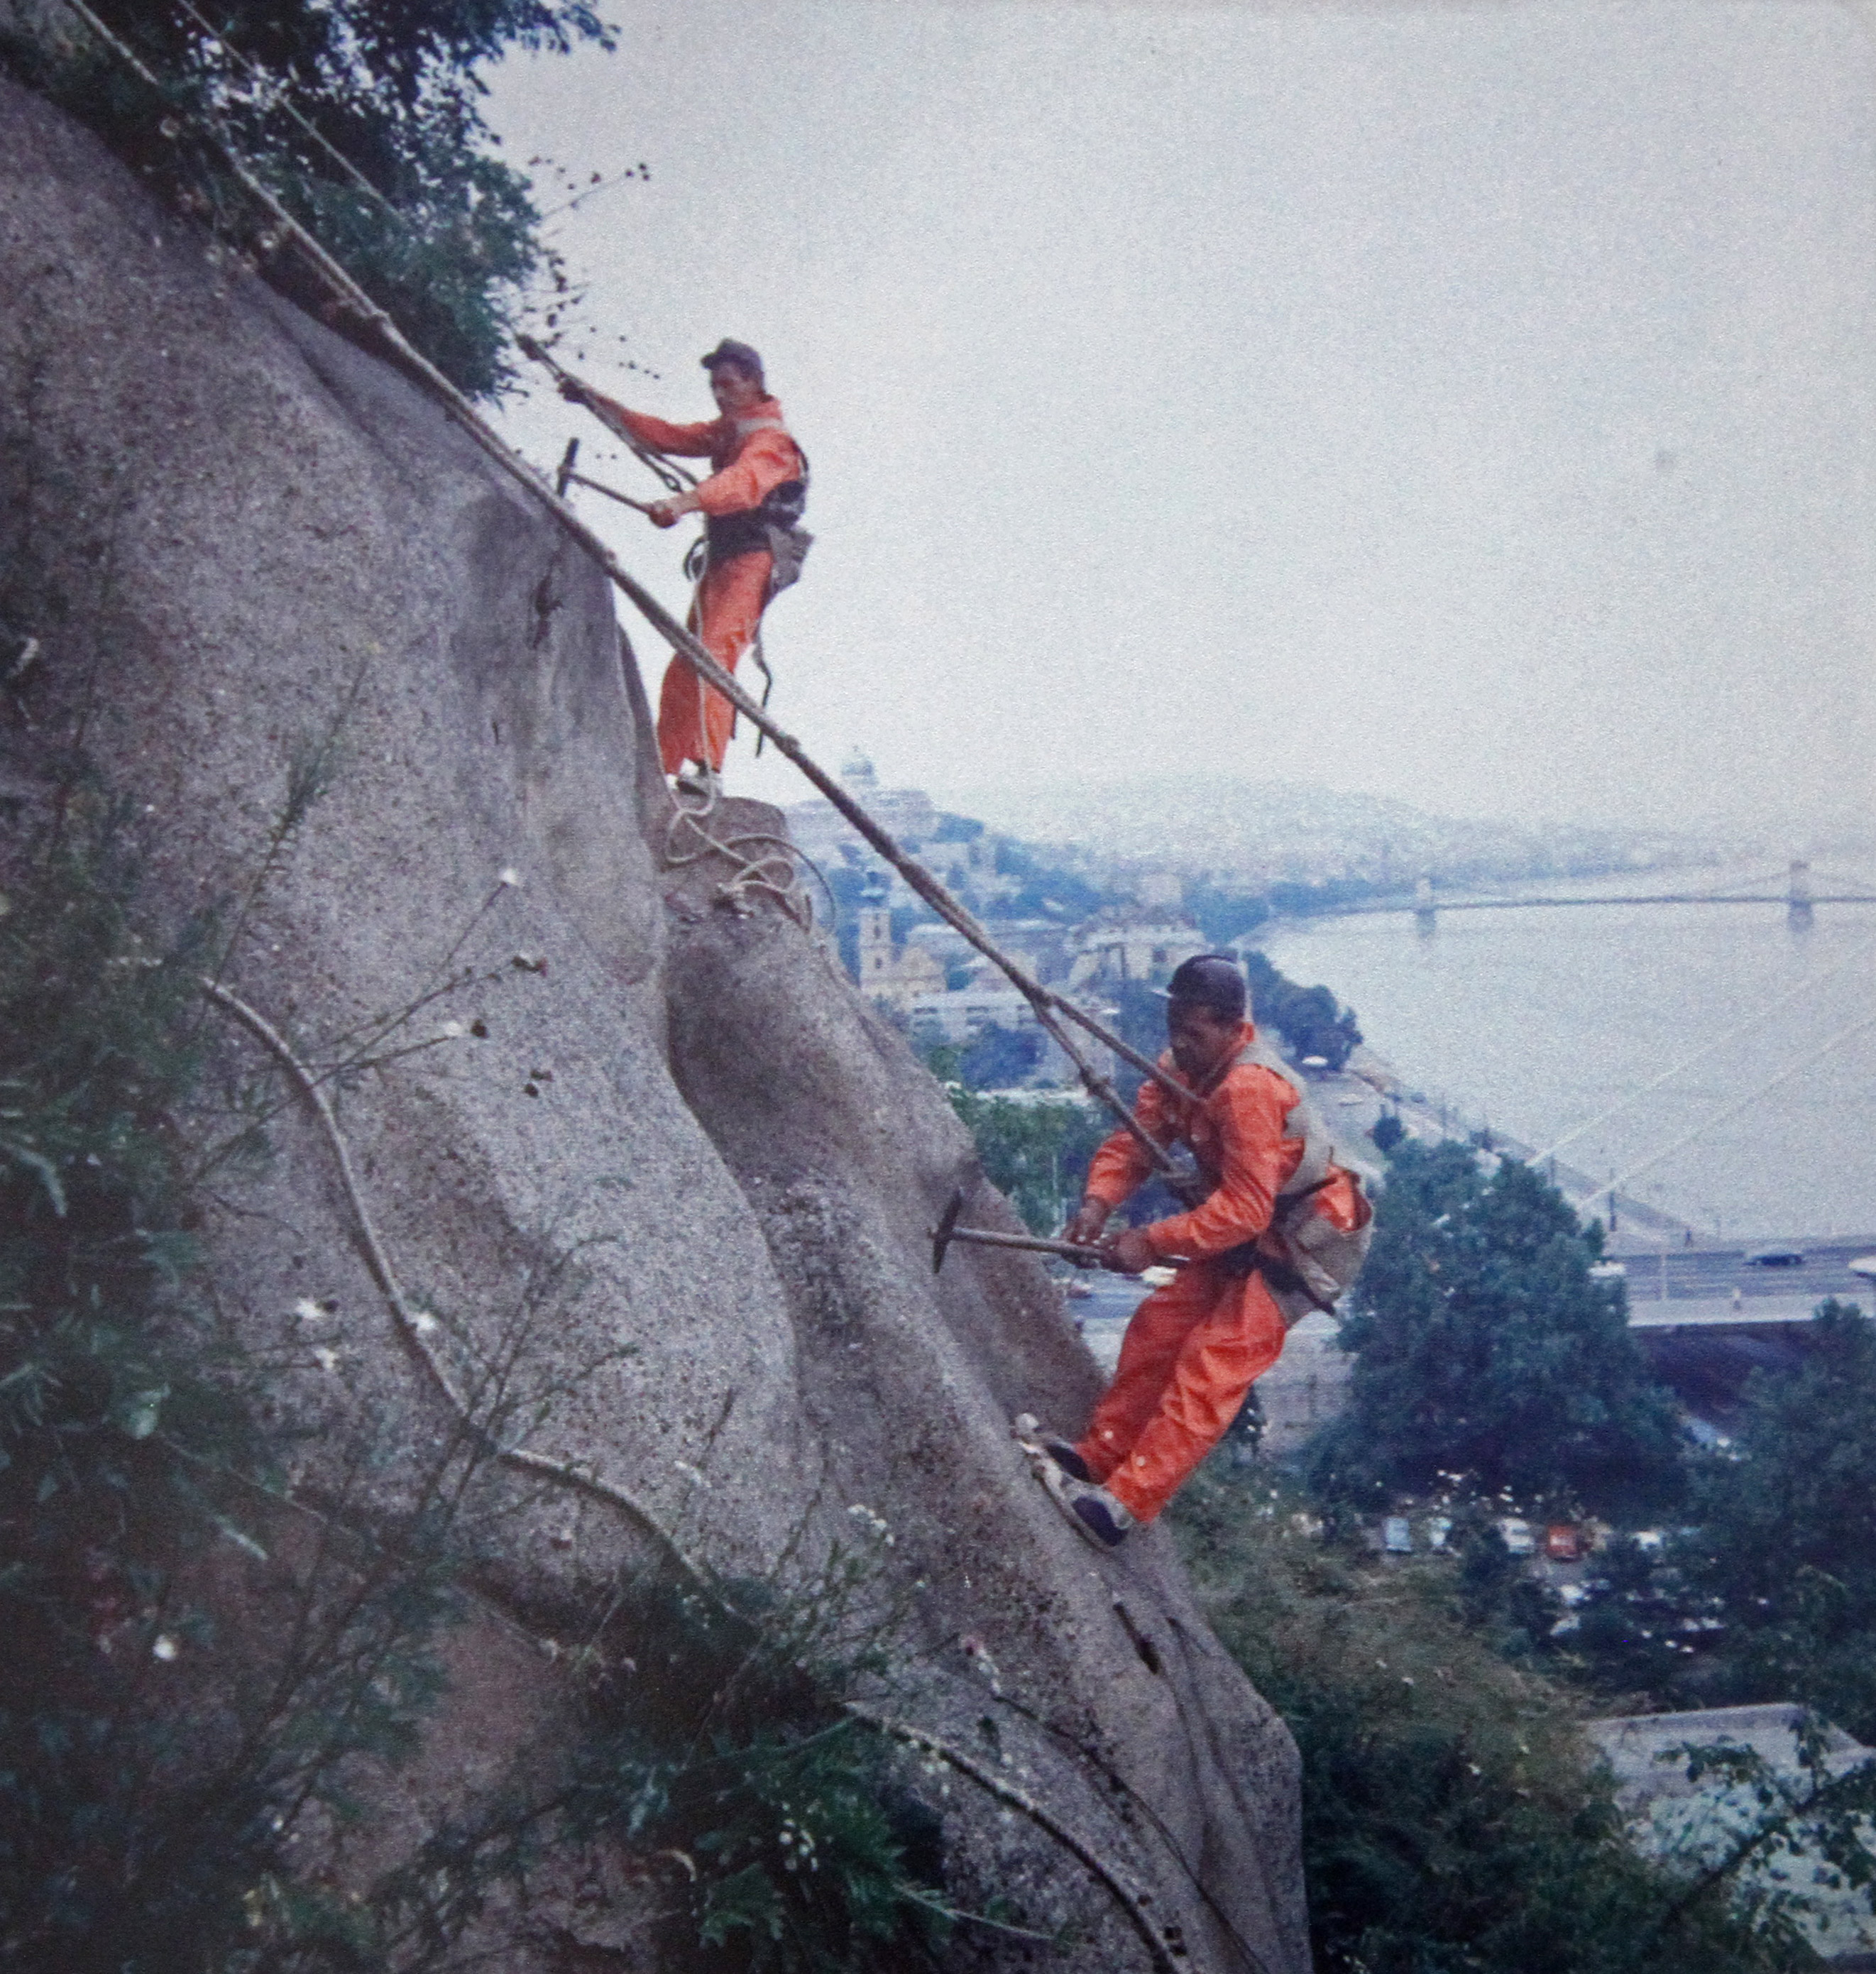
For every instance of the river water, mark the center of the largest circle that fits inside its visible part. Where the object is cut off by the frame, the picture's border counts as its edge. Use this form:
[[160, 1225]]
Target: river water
[[1539, 1021]]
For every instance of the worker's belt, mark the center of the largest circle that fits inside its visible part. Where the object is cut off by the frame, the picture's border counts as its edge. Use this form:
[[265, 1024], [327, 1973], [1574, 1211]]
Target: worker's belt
[[736, 534], [1239, 1263], [782, 509]]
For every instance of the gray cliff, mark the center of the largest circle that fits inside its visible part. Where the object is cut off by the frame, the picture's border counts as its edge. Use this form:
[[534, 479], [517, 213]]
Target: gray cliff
[[247, 537]]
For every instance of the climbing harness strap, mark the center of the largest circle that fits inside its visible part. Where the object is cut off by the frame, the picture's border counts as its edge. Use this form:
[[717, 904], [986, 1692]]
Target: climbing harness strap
[[1318, 1261]]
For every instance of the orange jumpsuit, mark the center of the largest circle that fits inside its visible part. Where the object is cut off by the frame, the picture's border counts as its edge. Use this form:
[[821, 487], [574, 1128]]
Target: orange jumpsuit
[[750, 455], [1195, 1347]]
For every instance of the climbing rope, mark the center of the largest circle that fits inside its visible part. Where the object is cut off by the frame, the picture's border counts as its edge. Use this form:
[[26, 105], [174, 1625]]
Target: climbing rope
[[775, 871]]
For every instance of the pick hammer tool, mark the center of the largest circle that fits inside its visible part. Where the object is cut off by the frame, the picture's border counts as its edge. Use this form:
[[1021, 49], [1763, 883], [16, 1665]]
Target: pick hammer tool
[[948, 1231]]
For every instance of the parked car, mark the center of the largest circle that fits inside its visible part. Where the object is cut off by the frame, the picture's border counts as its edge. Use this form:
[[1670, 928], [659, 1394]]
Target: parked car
[[1608, 1271], [1776, 1256], [1865, 1266], [1517, 1535]]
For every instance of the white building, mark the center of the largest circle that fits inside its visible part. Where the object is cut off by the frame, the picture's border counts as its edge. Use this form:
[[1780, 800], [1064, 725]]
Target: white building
[[818, 828], [1132, 943]]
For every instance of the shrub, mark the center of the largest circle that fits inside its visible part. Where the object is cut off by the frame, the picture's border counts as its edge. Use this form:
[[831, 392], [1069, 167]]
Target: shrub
[[363, 118], [1451, 1819]]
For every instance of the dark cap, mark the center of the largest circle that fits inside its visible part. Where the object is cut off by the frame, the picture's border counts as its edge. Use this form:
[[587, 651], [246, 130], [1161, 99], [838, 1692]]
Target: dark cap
[[729, 351], [1213, 981]]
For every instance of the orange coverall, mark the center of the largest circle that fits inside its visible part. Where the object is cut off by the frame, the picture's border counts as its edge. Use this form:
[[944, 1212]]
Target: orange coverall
[[1194, 1348], [750, 455]]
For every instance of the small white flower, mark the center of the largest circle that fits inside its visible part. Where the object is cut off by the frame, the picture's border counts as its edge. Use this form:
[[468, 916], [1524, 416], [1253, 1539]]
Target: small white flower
[[694, 1475], [450, 1030], [510, 878], [326, 1358], [308, 1310], [164, 1647], [422, 1322]]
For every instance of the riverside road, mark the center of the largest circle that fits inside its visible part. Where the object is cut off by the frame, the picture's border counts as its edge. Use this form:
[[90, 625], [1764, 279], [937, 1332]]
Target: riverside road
[[1706, 1273]]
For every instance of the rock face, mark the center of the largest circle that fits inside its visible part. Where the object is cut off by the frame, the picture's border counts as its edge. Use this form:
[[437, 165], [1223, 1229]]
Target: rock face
[[350, 676]]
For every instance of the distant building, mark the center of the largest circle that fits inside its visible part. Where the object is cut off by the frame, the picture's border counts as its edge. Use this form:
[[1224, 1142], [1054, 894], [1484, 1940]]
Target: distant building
[[891, 976], [818, 828], [1125, 942], [959, 1017], [962, 1016]]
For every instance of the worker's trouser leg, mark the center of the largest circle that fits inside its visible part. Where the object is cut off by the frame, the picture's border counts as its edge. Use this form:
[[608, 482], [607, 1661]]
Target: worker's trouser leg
[[694, 724], [1190, 1354]]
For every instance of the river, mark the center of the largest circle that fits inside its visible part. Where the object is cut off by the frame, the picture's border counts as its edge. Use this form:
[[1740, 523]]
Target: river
[[1539, 1021]]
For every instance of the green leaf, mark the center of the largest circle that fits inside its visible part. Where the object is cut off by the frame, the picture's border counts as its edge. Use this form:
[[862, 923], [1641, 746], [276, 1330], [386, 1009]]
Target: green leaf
[[746, 1903]]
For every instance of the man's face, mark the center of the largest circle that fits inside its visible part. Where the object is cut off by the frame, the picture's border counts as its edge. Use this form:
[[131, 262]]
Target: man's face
[[734, 389], [1200, 1040]]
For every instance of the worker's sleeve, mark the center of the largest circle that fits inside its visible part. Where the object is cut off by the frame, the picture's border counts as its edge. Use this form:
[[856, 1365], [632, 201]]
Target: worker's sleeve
[[1121, 1163], [685, 441], [1249, 1110], [763, 464]]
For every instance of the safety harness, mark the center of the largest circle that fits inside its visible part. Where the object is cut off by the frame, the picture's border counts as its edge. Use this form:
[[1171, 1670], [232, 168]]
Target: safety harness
[[1306, 1260], [774, 524]]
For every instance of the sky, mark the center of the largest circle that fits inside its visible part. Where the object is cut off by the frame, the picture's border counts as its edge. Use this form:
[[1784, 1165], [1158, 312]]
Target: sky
[[1472, 406]]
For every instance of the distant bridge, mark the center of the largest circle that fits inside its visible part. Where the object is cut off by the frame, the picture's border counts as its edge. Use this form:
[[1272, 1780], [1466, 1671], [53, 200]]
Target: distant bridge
[[1797, 898]]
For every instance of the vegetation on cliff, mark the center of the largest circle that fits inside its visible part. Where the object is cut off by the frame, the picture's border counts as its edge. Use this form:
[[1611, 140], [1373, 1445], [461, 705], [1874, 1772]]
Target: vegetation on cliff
[[362, 118], [1452, 1822]]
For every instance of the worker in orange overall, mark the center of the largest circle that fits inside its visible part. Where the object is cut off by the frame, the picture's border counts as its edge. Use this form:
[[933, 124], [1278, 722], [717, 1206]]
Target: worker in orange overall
[[1280, 1230], [755, 493]]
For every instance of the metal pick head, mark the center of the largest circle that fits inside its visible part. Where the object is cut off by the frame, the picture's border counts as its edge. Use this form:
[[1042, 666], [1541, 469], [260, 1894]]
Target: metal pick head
[[947, 1225]]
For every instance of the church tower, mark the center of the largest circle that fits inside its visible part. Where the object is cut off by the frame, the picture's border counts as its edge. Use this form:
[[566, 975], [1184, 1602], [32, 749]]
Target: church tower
[[876, 941]]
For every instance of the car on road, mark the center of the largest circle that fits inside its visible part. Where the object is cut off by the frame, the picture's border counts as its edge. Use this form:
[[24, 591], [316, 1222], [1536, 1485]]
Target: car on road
[[1863, 1265], [1607, 1271], [1776, 1256]]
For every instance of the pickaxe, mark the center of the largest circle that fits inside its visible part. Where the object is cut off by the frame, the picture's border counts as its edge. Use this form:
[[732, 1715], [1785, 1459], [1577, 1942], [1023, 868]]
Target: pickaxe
[[948, 1231], [567, 477], [673, 477]]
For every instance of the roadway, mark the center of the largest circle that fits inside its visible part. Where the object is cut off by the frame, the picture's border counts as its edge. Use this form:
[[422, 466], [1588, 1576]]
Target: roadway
[[1707, 1272]]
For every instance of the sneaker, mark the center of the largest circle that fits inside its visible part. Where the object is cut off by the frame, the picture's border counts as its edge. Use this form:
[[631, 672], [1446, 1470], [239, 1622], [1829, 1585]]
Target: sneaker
[[1099, 1517], [1066, 1457], [1092, 1512], [1027, 1430]]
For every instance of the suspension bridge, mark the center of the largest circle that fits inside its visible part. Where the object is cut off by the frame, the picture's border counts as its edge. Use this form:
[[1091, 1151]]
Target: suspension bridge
[[1799, 895]]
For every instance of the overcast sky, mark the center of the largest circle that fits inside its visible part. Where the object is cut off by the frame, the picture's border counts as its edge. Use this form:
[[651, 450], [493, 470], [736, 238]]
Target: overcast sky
[[1469, 405]]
